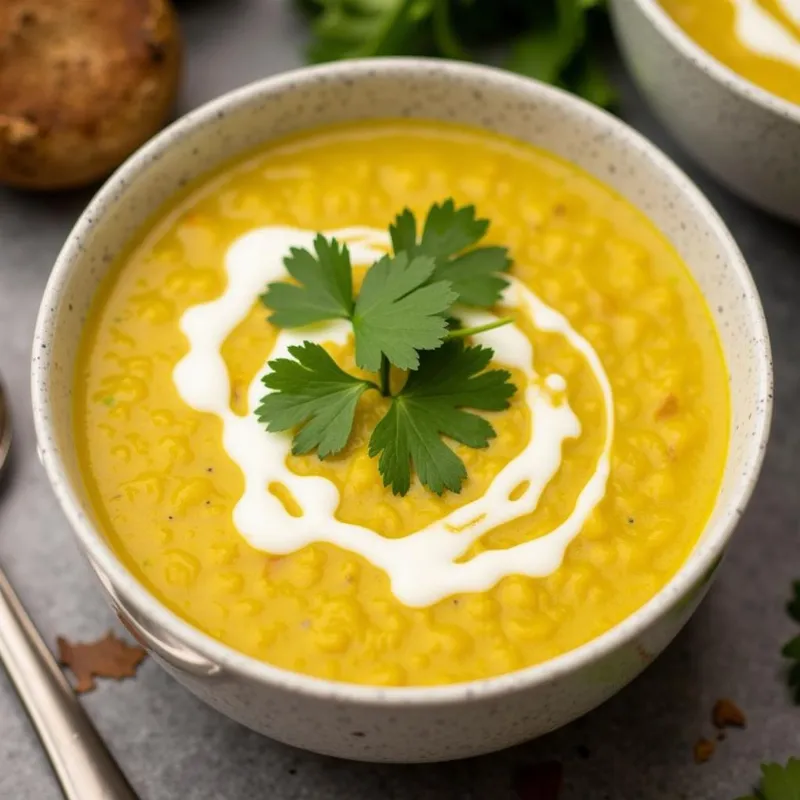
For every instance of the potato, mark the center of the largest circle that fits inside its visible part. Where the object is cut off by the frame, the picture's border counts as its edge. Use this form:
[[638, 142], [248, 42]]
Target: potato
[[83, 83]]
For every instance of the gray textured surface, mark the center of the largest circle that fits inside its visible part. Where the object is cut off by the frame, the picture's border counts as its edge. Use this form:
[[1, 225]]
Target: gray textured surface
[[639, 744]]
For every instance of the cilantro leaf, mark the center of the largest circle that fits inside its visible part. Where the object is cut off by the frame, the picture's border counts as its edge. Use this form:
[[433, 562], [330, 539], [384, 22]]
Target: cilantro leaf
[[448, 230], [430, 406], [398, 312], [779, 783], [311, 391], [325, 291]]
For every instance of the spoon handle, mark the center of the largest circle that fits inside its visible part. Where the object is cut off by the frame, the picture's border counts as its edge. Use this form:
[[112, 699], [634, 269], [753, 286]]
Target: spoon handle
[[79, 757]]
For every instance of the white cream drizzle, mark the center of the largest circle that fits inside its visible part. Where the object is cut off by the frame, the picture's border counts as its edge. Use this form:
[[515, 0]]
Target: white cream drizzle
[[765, 34], [792, 10], [421, 566]]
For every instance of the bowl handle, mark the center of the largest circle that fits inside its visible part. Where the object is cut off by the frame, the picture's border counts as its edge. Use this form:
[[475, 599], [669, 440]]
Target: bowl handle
[[163, 646]]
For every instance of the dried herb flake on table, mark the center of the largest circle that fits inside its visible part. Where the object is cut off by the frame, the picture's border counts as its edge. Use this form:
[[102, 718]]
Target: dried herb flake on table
[[109, 657]]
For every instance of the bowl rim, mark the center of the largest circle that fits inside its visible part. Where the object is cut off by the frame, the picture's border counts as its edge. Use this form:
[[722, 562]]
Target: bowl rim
[[692, 572], [712, 66]]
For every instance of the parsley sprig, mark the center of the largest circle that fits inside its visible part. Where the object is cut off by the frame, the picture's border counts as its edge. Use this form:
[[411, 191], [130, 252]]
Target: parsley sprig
[[402, 317], [325, 289], [398, 313], [778, 783]]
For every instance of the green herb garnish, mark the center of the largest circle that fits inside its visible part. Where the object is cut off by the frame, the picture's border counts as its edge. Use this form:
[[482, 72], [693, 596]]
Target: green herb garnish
[[325, 289], [473, 275], [778, 783], [429, 406], [397, 314], [402, 318], [555, 41], [311, 390]]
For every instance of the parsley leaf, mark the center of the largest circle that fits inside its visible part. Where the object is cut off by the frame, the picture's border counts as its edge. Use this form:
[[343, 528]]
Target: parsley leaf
[[474, 275], [403, 232], [791, 649], [429, 407], [448, 230], [779, 783], [326, 286], [398, 312], [313, 392]]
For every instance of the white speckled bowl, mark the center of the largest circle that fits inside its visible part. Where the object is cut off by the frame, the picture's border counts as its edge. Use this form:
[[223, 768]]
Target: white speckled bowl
[[403, 724], [748, 138]]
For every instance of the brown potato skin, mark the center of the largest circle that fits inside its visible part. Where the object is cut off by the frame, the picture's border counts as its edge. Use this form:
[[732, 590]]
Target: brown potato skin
[[83, 83]]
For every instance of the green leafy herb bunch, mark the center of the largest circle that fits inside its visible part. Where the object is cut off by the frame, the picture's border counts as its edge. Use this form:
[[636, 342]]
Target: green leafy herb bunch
[[555, 41]]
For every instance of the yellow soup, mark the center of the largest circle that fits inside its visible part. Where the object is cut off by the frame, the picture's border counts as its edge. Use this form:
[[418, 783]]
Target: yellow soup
[[759, 39], [164, 486]]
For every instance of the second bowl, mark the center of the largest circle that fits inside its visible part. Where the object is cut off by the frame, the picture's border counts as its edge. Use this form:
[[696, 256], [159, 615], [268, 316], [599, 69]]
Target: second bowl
[[748, 138]]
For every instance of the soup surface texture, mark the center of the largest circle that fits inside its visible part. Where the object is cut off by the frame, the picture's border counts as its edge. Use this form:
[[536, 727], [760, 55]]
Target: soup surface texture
[[759, 39], [654, 407]]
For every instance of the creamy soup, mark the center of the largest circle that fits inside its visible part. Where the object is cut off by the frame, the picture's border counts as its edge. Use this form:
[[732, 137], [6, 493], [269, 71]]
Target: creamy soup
[[597, 485], [759, 39]]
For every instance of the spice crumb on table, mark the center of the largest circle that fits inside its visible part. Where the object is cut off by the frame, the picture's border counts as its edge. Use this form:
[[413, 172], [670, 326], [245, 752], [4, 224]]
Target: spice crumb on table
[[109, 657]]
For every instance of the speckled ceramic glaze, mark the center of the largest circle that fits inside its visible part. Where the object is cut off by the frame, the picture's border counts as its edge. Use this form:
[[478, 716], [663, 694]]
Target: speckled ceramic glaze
[[404, 724], [746, 137]]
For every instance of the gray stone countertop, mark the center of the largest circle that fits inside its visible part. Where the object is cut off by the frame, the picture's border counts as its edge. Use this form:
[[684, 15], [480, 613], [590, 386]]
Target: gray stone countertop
[[638, 746]]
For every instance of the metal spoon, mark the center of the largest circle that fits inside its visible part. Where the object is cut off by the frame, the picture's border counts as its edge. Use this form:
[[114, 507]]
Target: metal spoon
[[82, 763]]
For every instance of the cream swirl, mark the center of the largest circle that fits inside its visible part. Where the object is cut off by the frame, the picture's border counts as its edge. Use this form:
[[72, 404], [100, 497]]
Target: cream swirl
[[422, 566], [765, 34]]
